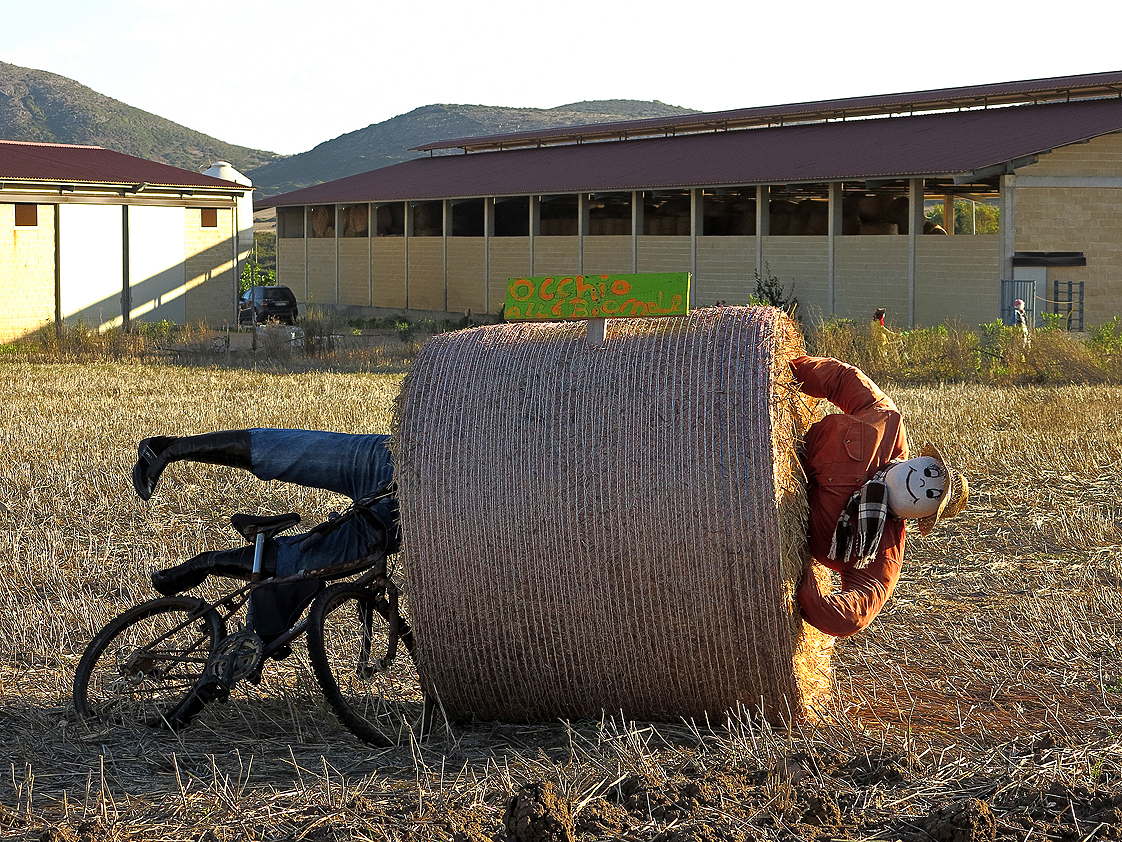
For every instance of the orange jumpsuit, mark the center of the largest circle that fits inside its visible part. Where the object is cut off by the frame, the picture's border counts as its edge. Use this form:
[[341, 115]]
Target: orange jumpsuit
[[842, 453]]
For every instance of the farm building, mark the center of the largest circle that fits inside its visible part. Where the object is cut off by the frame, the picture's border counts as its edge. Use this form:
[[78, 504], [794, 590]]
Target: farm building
[[828, 195], [94, 235]]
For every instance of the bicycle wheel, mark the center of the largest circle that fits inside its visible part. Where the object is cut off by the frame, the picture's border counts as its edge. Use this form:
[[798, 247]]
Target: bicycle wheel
[[348, 640], [144, 664]]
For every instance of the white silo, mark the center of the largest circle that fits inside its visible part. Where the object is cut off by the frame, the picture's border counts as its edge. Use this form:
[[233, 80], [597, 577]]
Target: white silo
[[223, 170]]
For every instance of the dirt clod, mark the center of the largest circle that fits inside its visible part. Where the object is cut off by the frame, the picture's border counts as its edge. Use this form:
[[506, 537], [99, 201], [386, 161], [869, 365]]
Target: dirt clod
[[538, 813], [601, 817], [822, 811], [969, 820]]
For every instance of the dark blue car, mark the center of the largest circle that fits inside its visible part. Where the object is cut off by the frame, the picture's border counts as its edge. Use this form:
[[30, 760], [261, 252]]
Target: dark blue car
[[276, 303]]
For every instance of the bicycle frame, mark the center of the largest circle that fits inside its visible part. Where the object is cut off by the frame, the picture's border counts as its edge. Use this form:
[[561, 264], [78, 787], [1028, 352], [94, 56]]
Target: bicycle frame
[[198, 652]]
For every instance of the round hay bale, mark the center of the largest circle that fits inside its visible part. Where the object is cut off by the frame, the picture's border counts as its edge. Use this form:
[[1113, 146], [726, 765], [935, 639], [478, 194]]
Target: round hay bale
[[607, 528]]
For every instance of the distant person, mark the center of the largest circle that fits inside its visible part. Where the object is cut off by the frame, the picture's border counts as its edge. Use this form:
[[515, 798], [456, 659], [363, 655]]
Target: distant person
[[1020, 319], [883, 337], [862, 487]]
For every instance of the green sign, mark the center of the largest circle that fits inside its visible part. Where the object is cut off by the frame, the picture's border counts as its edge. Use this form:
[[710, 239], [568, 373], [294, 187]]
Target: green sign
[[556, 297]]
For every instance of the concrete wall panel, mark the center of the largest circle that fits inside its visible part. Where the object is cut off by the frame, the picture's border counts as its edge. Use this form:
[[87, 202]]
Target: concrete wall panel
[[726, 268], [426, 273], [467, 275], [27, 273]]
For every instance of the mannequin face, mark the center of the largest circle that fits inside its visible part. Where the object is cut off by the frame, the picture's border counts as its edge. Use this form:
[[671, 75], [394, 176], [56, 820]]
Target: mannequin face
[[915, 487]]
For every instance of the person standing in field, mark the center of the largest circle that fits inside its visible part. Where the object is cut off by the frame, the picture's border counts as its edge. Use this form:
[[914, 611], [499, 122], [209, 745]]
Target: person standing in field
[[1020, 320], [862, 487], [883, 338]]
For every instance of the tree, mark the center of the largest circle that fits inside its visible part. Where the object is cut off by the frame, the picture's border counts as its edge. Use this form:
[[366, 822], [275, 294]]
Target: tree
[[969, 217]]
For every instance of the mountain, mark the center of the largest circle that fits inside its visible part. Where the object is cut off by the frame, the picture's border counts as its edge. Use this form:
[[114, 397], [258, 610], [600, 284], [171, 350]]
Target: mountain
[[389, 142], [47, 108]]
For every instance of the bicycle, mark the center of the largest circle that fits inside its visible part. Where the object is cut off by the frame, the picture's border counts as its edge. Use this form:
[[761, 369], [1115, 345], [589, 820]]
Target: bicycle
[[159, 663]]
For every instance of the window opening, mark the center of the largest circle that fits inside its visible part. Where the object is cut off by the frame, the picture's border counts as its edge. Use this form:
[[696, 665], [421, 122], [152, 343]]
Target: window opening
[[27, 215], [512, 217]]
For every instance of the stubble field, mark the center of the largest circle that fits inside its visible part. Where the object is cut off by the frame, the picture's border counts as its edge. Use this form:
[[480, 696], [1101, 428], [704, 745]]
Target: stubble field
[[983, 702]]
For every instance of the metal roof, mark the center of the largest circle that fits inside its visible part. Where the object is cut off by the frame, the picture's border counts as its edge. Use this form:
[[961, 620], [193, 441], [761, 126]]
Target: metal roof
[[963, 145], [1054, 89], [91, 165]]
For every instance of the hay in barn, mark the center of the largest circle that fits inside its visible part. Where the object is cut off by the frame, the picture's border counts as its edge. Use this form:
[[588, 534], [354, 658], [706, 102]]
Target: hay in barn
[[609, 528]]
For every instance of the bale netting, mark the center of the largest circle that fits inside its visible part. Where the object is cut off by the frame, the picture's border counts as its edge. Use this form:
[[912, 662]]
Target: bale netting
[[613, 528]]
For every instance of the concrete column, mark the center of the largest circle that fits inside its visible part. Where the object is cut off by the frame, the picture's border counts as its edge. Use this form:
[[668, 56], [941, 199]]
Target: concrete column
[[915, 229], [834, 229], [535, 226], [583, 228], [763, 214], [409, 214], [488, 233], [126, 291], [1007, 226], [697, 228], [446, 232], [636, 227], [307, 235]]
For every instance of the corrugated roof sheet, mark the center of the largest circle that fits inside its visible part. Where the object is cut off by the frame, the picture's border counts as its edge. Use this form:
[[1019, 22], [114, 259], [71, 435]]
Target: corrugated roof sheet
[[56, 162], [892, 147], [975, 96]]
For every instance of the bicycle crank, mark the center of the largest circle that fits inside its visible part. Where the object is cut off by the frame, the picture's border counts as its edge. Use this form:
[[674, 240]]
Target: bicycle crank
[[237, 656]]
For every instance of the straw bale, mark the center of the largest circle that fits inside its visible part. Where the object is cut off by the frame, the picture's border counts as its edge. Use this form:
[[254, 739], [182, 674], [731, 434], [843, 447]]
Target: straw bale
[[606, 528], [322, 225]]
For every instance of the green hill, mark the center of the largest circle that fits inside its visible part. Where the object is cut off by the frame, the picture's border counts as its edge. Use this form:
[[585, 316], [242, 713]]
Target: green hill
[[389, 142], [46, 108]]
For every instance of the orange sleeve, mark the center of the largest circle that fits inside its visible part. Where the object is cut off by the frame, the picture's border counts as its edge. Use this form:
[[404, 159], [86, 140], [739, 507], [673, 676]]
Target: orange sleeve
[[863, 592], [846, 387]]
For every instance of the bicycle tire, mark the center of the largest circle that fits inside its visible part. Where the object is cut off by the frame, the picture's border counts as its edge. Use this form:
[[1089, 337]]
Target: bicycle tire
[[144, 665], [348, 631]]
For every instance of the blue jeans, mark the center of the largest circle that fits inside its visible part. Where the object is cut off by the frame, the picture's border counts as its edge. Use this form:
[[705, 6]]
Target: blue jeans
[[351, 465]]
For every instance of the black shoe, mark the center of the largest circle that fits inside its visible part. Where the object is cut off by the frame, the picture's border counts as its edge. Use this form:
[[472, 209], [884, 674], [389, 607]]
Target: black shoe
[[183, 577], [150, 463], [237, 564]]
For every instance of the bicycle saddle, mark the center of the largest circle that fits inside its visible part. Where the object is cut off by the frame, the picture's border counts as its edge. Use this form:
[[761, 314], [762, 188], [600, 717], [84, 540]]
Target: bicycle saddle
[[250, 526]]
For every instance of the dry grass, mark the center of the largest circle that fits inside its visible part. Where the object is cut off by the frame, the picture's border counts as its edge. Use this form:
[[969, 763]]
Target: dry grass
[[994, 673]]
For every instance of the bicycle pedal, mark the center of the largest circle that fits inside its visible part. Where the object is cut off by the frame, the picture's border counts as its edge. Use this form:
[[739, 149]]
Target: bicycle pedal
[[213, 691]]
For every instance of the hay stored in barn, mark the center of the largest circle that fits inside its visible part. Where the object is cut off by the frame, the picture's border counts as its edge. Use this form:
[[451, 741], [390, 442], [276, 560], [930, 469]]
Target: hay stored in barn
[[606, 528]]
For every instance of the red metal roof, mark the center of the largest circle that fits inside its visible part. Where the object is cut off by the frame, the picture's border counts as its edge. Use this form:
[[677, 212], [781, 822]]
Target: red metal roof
[[1061, 88], [941, 144], [56, 162]]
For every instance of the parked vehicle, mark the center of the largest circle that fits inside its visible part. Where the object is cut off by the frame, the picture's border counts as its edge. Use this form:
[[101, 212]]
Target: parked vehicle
[[260, 304]]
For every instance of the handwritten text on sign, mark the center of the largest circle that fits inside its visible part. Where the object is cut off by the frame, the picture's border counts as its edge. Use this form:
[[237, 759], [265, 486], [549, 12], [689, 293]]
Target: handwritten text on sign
[[598, 296]]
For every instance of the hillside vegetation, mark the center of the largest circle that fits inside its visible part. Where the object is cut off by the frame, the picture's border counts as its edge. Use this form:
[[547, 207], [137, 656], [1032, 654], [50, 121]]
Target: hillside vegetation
[[389, 142], [43, 107]]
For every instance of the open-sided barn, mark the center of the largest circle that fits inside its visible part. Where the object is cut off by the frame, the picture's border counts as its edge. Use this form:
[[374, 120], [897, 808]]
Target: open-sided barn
[[827, 195], [94, 235]]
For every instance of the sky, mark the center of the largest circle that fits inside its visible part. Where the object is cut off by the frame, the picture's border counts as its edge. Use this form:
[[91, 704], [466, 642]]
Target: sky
[[284, 76]]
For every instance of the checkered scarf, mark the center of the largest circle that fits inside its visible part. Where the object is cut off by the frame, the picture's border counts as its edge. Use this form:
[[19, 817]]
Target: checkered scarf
[[862, 521]]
